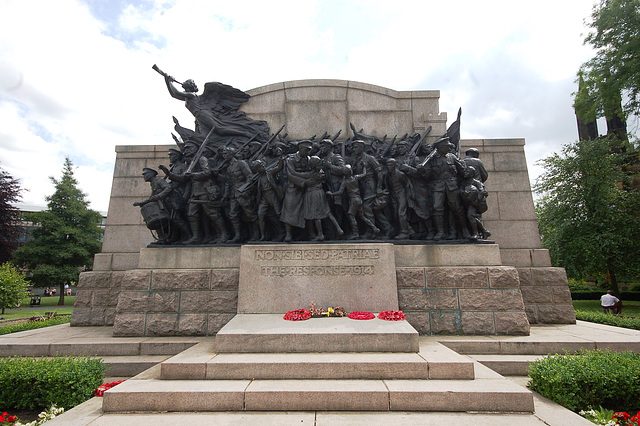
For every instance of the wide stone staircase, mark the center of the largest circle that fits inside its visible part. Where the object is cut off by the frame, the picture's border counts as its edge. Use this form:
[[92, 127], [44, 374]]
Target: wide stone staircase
[[260, 362]]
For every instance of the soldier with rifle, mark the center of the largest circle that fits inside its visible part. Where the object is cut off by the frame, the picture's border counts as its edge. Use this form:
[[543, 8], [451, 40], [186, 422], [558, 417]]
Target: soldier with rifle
[[205, 194], [241, 199], [180, 191]]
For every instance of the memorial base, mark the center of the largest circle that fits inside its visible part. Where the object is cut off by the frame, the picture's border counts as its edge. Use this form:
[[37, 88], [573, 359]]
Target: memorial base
[[443, 289]]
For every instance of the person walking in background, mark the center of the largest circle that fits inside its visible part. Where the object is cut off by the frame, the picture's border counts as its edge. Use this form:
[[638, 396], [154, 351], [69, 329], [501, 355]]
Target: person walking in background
[[610, 303]]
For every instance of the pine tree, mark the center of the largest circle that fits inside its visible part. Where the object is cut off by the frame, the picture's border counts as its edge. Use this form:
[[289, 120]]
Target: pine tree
[[66, 239], [9, 215]]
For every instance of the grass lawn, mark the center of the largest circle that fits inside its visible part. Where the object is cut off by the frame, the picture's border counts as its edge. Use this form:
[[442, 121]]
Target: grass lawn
[[629, 308], [47, 304]]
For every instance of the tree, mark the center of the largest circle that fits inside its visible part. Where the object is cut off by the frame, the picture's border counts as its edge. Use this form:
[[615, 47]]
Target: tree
[[67, 236], [10, 229], [610, 85], [588, 216], [13, 287]]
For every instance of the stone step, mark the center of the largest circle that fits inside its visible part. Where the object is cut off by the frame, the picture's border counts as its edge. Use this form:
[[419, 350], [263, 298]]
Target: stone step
[[268, 333], [520, 346], [495, 395], [434, 361], [507, 365], [129, 366]]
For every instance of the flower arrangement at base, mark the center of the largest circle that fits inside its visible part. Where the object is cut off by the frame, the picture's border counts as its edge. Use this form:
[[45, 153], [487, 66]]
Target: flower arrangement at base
[[392, 315], [361, 315], [105, 387], [298, 315], [329, 312]]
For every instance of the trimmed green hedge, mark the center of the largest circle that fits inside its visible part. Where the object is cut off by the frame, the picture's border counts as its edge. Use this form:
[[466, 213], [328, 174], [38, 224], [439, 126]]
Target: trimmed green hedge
[[595, 295], [32, 325], [589, 379], [29, 383], [608, 319]]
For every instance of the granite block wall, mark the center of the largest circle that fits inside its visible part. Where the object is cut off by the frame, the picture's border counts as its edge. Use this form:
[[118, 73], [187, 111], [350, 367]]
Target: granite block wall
[[463, 300]]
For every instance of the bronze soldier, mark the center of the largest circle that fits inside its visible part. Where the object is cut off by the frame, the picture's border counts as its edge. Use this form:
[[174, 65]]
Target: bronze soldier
[[443, 169], [205, 197]]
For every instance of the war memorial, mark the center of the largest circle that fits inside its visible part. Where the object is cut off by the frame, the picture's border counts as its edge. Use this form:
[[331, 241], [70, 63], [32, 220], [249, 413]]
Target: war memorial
[[329, 194]]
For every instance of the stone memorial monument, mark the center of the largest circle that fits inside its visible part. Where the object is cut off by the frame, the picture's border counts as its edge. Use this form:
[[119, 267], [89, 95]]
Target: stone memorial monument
[[328, 209]]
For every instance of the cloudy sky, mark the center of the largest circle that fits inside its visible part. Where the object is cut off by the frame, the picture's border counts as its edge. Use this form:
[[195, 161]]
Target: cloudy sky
[[76, 77]]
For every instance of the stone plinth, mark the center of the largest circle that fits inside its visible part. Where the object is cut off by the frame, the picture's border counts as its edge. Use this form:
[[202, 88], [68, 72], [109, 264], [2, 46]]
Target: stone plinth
[[268, 333], [280, 278]]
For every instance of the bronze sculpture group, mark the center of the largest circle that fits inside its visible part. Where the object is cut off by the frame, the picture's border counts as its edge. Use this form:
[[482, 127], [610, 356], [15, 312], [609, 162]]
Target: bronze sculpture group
[[229, 181]]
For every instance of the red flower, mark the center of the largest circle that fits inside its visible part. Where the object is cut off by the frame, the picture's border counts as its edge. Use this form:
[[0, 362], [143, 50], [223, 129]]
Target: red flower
[[361, 315], [11, 419], [2, 418], [105, 387], [620, 415], [392, 315]]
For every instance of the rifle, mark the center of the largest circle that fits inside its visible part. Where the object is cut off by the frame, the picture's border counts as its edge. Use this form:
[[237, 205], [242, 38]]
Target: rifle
[[430, 156], [224, 163], [196, 157], [264, 147], [386, 150], [333, 139], [416, 146], [164, 74]]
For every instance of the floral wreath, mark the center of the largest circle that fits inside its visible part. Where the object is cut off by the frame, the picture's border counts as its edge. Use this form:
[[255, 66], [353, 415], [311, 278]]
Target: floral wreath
[[392, 315], [298, 315], [361, 315]]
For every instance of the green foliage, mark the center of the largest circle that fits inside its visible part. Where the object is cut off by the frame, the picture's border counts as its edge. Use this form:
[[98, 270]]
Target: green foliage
[[32, 325], [625, 296], [9, 215], [67, 238], [576, 284], [589, 379], [601, 416], [608, 319], [588, 218], [13, 287], [615, 69], [29, 383]]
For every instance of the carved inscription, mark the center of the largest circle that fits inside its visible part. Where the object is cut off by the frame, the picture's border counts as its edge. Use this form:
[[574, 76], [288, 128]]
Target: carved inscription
[[276, 278], [317, 254], [307, 271]]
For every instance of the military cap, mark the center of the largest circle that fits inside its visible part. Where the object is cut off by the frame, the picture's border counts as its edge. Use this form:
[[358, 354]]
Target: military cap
[[358, 142], [305, 142], [149, 170], [327, 141], [444, 139], [176, 151]]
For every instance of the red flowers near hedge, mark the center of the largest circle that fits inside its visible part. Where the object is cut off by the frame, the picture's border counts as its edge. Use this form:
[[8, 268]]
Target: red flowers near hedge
[[103, 388]]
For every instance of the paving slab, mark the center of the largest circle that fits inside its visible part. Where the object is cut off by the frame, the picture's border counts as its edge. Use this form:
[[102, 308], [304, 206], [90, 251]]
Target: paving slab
[[271, 333]]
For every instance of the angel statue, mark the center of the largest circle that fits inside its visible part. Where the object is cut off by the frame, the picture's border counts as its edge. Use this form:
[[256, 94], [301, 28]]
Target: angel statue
[[217, 107]]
